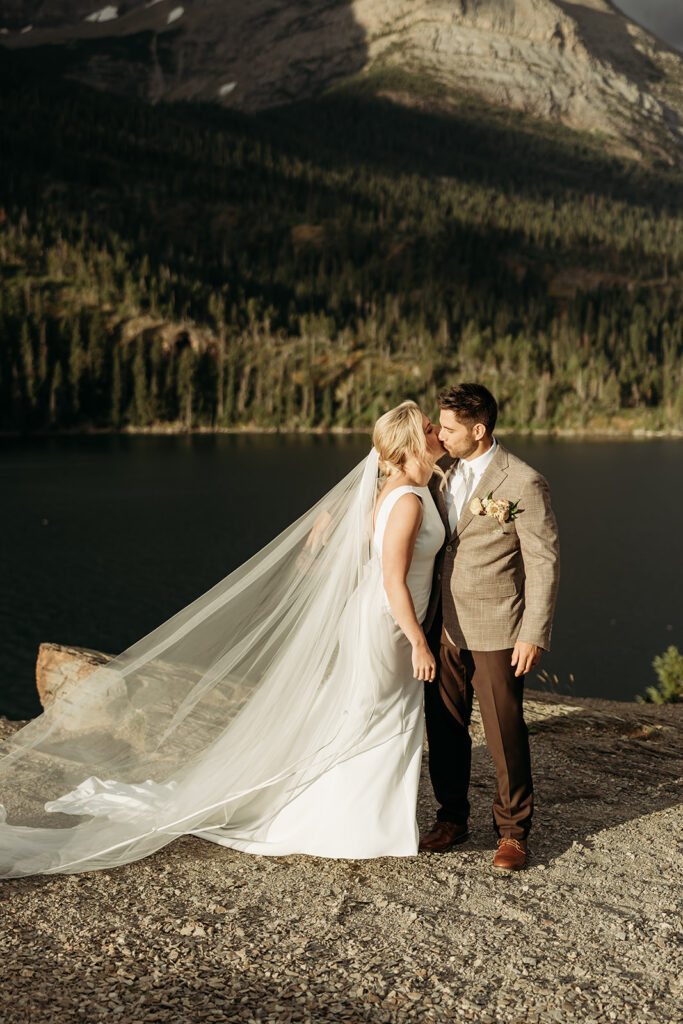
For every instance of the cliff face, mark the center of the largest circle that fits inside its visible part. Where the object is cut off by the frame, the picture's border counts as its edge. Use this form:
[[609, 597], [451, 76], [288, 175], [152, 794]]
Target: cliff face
[[584, 64]]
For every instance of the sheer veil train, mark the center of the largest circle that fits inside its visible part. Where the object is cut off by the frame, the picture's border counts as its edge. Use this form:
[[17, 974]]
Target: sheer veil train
[[218, 717]]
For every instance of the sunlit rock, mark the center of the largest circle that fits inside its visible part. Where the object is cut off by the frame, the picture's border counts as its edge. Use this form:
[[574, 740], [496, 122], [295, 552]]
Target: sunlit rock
[[60, 668]]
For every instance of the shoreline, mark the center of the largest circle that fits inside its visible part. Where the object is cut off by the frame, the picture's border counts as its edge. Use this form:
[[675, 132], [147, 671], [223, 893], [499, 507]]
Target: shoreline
[[173, 430]]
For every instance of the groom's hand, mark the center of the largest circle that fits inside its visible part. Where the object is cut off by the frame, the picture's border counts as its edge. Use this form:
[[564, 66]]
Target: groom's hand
[[525, 657]]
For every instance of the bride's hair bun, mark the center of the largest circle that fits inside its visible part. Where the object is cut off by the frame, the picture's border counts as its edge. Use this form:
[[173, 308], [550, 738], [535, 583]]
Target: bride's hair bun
[[398, 434]]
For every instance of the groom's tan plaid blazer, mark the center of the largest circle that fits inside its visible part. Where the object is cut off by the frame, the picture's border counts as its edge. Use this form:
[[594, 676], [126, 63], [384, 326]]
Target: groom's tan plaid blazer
[[498, 583]]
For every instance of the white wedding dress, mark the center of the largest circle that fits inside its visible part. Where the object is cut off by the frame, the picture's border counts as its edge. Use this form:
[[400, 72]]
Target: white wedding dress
[[364, 806], [276, 714]]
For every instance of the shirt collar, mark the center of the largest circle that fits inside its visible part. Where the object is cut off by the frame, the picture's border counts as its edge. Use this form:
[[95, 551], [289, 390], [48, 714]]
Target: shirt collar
[[478, 465]]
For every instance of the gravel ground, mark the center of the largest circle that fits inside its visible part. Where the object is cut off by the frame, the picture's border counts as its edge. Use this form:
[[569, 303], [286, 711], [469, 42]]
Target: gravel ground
[[589, 932]]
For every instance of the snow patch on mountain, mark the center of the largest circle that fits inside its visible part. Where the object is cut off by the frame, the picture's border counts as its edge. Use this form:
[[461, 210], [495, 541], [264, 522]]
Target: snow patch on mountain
[[108, 13]]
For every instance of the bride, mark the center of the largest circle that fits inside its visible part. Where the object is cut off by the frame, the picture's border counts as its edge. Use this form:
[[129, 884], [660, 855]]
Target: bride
[[279, 713]]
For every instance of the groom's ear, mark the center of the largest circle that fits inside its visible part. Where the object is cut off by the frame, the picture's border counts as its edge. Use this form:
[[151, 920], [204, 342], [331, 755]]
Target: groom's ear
[[478, 431]]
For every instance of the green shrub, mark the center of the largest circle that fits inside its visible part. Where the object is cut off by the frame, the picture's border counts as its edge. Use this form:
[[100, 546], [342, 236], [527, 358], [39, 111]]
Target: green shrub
[[669, 670]]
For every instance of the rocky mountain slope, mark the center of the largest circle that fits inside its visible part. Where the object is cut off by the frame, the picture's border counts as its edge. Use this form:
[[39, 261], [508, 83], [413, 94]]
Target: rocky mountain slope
[[584, 64]]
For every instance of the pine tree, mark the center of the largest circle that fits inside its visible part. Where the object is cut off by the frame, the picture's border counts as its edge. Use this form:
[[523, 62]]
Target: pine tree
[[97, 352], [155, 398], [27, 361], [327, 407], [217, 311], [140, 385], [76, 366], [186, 382], [56, 395], [116, 390], [229, 405], [42, 359]]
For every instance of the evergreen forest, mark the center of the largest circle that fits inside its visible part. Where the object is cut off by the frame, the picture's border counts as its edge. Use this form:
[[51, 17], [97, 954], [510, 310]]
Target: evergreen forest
[[307, 267]]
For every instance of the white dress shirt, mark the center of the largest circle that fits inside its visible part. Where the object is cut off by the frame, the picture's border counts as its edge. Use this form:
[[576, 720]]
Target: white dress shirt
[[463, 481]]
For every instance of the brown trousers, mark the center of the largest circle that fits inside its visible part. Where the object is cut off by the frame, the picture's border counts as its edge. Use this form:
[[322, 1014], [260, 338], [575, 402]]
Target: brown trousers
[[448, 708]]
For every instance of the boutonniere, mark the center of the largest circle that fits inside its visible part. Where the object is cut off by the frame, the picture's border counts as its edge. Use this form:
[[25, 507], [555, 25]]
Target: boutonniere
[[500, 509]]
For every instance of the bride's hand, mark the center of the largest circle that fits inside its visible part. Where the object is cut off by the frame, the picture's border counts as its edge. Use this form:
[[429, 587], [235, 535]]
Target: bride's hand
[[424, 662], [317, 538]]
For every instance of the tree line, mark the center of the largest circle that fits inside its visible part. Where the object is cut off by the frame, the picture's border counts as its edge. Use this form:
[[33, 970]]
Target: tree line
[[310, 266]]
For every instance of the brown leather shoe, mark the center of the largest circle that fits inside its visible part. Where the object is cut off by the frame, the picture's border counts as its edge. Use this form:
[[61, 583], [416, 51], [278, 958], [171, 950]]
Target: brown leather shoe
[[510, 855], [442, 836]]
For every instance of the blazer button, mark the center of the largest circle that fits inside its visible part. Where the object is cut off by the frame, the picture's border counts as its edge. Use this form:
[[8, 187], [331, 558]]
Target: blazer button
[[449, 547]]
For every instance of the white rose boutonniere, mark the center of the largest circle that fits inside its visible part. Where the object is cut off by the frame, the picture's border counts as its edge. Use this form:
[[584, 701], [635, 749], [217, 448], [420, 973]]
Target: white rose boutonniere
[[500, 510]]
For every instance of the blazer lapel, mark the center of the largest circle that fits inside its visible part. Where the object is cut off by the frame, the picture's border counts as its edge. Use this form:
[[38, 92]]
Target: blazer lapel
[[445, 463], [495, 473]]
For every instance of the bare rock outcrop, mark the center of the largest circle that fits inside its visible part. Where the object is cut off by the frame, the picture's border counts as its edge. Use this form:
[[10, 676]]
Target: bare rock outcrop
[[584, 64], [59, 668]]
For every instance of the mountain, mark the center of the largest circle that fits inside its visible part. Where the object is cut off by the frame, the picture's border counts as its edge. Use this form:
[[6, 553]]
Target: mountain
[[335, 207], [184, 265], [583, 64]]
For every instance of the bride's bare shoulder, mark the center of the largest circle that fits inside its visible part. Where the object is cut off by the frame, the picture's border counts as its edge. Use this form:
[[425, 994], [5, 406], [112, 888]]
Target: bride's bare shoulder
[[407, 506]]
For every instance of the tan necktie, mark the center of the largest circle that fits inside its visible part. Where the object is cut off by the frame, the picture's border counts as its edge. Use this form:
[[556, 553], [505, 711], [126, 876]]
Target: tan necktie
[[469, 481], [460, 492]]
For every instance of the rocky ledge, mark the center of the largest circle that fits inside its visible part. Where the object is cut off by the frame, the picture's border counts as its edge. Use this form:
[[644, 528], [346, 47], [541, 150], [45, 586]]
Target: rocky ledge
[[201, 933]]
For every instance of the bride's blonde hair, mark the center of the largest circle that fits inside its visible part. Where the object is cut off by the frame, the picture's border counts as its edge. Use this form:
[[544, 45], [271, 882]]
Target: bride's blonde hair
[[397, 435]]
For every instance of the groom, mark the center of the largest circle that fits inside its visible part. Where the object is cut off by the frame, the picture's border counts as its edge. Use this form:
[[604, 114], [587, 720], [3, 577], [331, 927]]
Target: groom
[[490, 616]]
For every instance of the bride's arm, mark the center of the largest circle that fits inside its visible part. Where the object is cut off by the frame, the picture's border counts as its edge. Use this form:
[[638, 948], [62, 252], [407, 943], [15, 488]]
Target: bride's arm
[[317, 538], [397, 554]]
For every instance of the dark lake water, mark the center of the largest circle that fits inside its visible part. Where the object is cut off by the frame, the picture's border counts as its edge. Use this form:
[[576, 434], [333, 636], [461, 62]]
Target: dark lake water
[[103, 538]]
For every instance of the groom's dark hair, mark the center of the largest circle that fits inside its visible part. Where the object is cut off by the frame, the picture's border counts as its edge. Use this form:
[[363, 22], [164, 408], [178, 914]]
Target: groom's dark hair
[[471, 403]]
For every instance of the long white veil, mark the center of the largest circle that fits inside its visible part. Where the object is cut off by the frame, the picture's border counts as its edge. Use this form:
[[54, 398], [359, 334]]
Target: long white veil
[[216, 718]]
